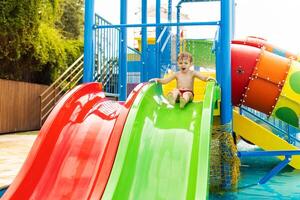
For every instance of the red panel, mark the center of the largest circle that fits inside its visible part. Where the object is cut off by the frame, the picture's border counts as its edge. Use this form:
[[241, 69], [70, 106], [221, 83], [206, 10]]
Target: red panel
[[243, 61], [77, 141]]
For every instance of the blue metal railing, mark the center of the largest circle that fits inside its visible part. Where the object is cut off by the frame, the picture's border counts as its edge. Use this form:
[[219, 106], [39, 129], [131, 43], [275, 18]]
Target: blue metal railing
[[280, 128], [163, 56], [106, 56]]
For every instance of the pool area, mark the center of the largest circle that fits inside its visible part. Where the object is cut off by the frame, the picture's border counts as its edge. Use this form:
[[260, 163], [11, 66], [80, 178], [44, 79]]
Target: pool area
[[285, 185]]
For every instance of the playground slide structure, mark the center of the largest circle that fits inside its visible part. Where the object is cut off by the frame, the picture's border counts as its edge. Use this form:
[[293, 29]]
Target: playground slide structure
[[164, 151], [73, 153], [268, 83]]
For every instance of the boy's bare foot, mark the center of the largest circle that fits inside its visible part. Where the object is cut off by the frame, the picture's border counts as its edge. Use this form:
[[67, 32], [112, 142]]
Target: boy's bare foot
[[171, 99], [182, 102]]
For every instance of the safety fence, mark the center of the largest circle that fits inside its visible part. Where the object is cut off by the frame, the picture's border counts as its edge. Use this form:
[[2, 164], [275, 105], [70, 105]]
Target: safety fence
[[19, 106], [107, 56]]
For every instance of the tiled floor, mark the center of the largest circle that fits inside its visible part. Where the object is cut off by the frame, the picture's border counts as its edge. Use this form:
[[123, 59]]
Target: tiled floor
[[13, 152]]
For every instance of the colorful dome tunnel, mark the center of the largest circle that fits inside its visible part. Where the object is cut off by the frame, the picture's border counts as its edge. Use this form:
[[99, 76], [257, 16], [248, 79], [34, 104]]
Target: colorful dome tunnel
[[266, 82]]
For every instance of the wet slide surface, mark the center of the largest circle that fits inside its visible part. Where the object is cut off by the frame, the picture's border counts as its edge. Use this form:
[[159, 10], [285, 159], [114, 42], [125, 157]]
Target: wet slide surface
[[73, 154], [163, 152]]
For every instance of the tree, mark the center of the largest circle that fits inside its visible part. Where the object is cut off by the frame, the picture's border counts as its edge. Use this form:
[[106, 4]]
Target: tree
[[32, 48], [71, 22]]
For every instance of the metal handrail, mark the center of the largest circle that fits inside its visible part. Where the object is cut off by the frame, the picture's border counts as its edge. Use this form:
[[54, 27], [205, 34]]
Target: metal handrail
[[272, 125], [58, 87], [58, 79]]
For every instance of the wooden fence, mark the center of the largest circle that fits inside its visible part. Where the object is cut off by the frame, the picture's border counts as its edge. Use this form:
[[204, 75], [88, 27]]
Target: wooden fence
[[19, 106]]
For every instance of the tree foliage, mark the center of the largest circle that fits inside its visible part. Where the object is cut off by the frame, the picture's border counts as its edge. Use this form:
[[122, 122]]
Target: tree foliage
[[33, 48]]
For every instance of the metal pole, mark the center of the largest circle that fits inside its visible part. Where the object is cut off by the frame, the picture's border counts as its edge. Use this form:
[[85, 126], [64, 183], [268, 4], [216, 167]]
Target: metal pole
[[123, 52], [88, 66], [211, 23], [157, 34], [218, 56], [168, 51], [178, 29], [233, 19], [144, 71], [226, 20]]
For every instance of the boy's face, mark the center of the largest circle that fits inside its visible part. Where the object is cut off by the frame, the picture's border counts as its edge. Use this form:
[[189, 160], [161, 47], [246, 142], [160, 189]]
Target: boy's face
[[184, 64]]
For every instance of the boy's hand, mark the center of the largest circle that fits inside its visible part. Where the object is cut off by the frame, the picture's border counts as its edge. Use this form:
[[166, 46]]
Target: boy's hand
[[211, 79], [153, 80]]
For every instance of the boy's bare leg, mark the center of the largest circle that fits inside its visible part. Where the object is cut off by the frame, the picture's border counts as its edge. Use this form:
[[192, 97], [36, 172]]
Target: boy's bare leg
[[172, 96], [185, 98]]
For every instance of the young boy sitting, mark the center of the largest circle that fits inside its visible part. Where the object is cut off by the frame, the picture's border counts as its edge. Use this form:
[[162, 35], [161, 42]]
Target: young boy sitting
[[185, 81]]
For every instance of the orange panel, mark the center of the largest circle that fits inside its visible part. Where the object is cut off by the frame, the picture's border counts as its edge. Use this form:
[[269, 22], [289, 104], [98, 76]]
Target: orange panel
[[261, 95], [272, 67]]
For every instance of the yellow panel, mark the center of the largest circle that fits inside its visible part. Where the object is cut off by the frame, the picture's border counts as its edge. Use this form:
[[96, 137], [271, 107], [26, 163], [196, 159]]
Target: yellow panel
[[287, 90], [150, 41], [286, 102], [262, 137]]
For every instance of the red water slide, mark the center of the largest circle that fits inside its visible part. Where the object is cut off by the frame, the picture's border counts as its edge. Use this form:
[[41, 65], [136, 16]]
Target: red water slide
[[73, 154]]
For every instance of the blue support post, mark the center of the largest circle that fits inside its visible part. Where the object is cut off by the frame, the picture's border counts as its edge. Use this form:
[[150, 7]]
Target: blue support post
[[275, 170], [233, 19], [123, 52], [157, 34], [144, 70], [168, 51], [225, 62], [178, 29], [218, 56], [88, 66]]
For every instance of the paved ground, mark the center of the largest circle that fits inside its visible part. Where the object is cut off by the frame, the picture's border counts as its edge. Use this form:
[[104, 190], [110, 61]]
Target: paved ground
[[13, 152]]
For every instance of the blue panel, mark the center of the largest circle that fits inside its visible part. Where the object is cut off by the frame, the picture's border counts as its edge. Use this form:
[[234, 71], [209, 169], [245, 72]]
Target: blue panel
[[134, 66], [151, 63]]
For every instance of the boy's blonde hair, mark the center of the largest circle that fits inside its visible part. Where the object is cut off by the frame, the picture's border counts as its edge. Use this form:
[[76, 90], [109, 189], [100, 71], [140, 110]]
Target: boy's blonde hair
[[185, 55]]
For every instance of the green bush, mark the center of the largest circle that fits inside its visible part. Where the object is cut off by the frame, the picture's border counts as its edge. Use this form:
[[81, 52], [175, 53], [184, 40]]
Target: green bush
[[33, 48]]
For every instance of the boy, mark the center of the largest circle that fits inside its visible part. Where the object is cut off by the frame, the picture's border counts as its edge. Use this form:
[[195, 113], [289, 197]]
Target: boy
[[185, 81]]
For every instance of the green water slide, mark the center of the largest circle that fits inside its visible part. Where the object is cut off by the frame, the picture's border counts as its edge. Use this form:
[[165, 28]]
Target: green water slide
[[164, 150]]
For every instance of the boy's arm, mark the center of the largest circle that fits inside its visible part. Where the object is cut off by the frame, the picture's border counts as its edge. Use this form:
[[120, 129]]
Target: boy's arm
[[164, 80], [200, 76]]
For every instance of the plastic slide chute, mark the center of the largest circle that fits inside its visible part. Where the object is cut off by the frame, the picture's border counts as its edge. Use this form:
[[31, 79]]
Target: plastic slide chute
[[164, 150], [74, 152]]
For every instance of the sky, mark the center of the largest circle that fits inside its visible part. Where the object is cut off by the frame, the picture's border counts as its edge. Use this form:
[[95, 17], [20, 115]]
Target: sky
[[274, 20]]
